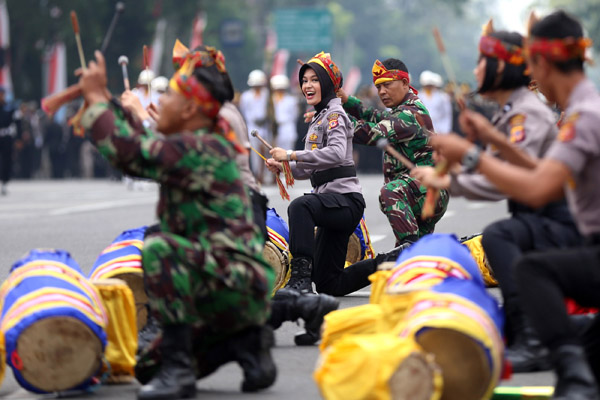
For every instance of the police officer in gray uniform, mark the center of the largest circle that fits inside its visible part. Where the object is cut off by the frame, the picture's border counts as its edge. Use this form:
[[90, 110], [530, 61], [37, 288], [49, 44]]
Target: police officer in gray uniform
[[336, 204], [524, 121], [556, 48]]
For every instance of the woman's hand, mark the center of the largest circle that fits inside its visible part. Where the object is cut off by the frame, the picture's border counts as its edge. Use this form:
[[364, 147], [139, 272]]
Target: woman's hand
[[452, 147], [427, 176], [132, 103], [278, 154], [274, 166], [308, 116], [477, 127], [92, 80]]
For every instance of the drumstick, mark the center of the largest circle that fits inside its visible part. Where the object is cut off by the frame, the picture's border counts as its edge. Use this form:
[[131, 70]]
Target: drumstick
[[384, 145], [75, 24], [254, 133], [123, 61], [258, 152], [147, 66]]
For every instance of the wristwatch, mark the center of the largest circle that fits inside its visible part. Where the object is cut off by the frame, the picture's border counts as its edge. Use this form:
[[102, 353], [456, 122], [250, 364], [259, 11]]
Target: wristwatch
[[470, 160], [289, 155]]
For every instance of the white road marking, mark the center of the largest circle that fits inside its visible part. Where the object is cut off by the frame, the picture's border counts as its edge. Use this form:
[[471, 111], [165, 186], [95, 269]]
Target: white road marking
[[449, 214], [377, 238]]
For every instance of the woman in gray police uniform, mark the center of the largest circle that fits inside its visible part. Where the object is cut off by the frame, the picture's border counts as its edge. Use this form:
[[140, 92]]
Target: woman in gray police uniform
[[336, 204]]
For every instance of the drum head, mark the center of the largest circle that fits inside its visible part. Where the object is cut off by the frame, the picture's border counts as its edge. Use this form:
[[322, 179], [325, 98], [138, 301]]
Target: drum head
[[58, 353], [276, 259], [136, 284], [414, 379], [354, 253], [465, 366]]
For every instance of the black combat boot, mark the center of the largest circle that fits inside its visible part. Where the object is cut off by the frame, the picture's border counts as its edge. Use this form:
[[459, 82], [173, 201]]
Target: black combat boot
[[175, 379], [575, 380], [393, 254], [251, 349], [527, 354], [148, 334], [300, 278], [308, 306]]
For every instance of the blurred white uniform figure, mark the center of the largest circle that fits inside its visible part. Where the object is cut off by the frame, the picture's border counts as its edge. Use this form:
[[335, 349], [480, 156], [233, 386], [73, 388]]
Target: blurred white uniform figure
[[286, 112], [141, 89], [436, 101], [159, 86], [253, 106]]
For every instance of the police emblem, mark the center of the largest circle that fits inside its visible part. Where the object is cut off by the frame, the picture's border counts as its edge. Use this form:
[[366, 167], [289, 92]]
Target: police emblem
[[517, 128], [313, 137], [333, 120], [314, 146], [567, 129]]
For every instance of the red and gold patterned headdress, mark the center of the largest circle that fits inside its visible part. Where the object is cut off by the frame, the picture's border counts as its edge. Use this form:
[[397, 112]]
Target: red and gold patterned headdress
[[381, 74], [493, 47], [324, 60], [558, 50], [184, 81]]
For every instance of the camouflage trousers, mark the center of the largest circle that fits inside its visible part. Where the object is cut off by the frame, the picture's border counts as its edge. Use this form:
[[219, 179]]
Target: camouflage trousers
[[402, 200], [192, 283]]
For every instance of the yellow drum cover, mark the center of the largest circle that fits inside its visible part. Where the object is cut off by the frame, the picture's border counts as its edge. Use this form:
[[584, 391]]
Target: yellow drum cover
[[121, 331], [363, 319], [379, 280], [278, 260], [377, 367], [476, 249]]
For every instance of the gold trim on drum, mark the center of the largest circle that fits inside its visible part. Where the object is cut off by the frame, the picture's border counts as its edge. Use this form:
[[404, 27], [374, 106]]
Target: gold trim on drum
[[354, 252], [276, 259]]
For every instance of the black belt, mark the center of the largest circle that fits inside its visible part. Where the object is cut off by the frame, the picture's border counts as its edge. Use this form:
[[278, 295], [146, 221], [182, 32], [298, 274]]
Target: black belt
[[322, 177]]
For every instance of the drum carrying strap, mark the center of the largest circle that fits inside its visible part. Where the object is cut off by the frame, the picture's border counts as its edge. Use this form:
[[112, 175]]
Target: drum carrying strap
[[322, 177]]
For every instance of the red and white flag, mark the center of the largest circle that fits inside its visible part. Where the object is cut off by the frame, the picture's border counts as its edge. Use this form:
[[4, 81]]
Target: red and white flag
[[55, 69], [5, 78], [280, 60], [352, 80], [197, 30]]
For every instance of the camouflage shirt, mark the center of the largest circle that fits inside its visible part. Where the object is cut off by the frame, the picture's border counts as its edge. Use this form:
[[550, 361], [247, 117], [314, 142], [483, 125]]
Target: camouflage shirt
[[202, 196], [400, 127]]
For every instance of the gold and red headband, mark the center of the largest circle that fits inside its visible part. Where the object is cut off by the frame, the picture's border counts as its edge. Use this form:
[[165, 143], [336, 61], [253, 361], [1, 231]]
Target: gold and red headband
[[558, 49], [324, 60], [493, 47], [381, 74], [184, 81]]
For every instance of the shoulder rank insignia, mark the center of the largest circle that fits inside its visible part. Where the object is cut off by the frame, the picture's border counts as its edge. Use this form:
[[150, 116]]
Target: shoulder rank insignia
[[333, 116], [319, 122], [314, 146], [313, 137], [517, 128], [567, 128]]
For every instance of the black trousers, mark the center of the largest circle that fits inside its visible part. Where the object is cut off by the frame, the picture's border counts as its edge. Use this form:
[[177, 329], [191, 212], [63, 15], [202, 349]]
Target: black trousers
[[259, 208], [6, 153], [336, 216], [505, 241], [544, 279]]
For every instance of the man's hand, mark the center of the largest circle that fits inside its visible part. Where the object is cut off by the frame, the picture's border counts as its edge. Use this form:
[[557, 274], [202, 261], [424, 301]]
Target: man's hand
[[342, 95], [452, 147], [132, 103], [427, 176], [278, 154], [477, 127], [93, 80], [153, 111], [274, 166]]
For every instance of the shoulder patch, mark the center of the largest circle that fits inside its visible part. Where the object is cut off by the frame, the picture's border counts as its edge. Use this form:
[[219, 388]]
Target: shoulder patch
[[333, 123], [567, 128], [517, 128], [333, 116]]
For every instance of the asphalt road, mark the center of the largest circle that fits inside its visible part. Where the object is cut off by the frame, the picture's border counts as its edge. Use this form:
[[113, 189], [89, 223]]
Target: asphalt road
[[84, 216]]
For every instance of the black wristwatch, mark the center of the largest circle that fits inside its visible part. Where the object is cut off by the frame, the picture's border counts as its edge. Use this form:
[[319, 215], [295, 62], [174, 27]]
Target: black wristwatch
[[470, 160]]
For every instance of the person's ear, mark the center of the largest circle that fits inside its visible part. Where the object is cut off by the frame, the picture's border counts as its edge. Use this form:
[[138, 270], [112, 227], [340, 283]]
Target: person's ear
[[501, 66], [189, 110]]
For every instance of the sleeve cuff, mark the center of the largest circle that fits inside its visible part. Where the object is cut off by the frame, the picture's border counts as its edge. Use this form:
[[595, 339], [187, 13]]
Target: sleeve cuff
[[92, 113]]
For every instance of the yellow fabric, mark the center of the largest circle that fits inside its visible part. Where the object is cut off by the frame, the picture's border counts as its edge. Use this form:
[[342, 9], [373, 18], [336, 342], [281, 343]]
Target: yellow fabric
[[359, 367], [367, 318], [378, 284], [121, 330], [2, 357], [478, 254]]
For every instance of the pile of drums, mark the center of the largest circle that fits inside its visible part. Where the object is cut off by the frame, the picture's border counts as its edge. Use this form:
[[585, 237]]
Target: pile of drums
[[430, 331]]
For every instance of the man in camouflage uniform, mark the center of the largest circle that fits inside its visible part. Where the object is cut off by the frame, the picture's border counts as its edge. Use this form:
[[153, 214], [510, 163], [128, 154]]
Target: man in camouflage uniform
[[407, 127], [203, 268]]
